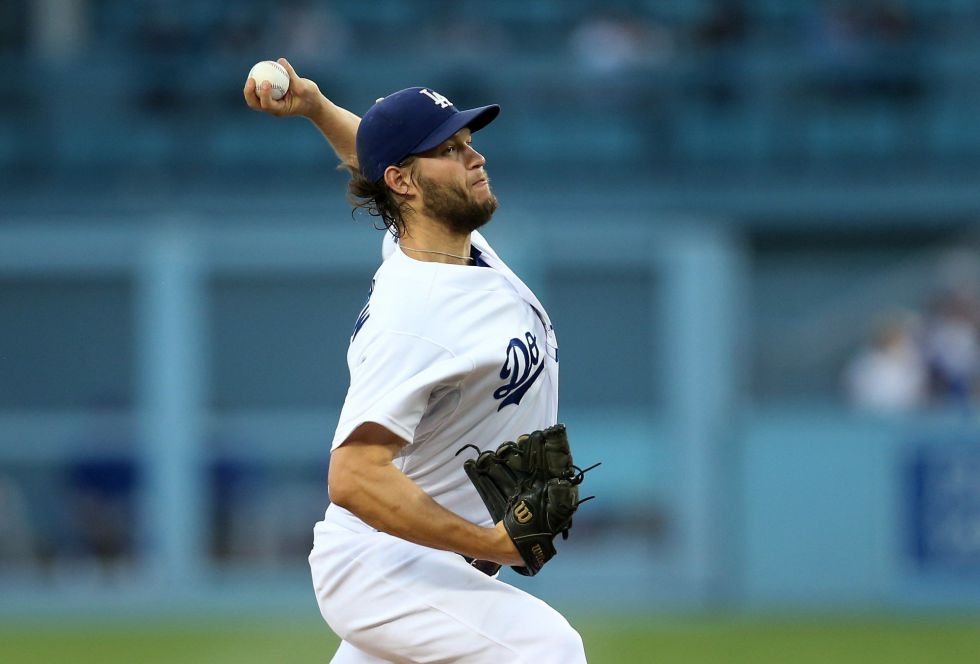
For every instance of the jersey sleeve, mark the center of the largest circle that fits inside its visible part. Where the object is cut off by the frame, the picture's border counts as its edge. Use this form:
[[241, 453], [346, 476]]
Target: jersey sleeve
[[391, 381]]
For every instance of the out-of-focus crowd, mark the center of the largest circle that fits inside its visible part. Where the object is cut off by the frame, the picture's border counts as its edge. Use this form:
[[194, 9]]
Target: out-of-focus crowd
[[925, 357]]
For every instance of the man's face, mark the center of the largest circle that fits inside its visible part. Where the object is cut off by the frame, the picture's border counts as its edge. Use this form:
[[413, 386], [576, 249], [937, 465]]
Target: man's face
[[454, 187]]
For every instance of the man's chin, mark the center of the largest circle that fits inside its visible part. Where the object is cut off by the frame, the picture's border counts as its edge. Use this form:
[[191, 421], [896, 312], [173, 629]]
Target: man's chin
[[460, 210], [477, 218], [489, 201]]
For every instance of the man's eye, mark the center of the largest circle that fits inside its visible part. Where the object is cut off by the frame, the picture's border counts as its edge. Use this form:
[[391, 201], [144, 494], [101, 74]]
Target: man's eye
[[449, 149]]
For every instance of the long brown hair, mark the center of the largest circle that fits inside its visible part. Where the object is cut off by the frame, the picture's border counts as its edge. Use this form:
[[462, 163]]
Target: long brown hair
[[378, 200]]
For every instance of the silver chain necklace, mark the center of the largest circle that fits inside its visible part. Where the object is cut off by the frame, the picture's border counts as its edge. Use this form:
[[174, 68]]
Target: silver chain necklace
[[440, 253]]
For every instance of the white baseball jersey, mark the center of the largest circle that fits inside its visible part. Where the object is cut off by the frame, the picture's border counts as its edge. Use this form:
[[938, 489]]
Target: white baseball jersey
[[444, 355]]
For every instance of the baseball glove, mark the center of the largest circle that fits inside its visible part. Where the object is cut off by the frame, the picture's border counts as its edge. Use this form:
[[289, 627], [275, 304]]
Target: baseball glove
[[532, 486]]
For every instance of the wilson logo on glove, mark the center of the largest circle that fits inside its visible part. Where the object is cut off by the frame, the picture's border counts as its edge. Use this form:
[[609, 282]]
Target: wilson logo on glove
[[532, 486], [522, 513]]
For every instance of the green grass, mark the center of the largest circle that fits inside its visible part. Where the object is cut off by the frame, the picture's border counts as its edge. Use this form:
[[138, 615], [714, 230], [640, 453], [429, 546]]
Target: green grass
[[657, 639], [784, 641]]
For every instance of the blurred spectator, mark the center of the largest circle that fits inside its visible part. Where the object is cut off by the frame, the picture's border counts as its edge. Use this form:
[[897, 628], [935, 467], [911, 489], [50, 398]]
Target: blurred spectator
[[613, 42], [909, 363], [952, 342], [953, 347], [889, 375], [59, 30]]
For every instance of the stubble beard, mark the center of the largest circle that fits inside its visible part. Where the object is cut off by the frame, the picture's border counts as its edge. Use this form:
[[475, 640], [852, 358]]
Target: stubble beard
[[456, 208]]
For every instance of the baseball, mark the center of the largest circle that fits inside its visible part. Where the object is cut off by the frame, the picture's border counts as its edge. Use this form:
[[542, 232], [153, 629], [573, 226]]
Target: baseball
[[275, 73]]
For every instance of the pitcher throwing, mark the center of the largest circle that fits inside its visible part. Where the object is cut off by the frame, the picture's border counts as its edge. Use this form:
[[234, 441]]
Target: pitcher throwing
[[451, 351]]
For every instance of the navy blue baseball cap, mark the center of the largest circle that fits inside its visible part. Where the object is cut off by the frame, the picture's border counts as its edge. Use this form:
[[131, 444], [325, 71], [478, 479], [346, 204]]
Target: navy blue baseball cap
[[409, 122]]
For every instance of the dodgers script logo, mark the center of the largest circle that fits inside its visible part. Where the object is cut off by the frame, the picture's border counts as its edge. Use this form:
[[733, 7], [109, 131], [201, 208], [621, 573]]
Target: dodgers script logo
[[522, 358]]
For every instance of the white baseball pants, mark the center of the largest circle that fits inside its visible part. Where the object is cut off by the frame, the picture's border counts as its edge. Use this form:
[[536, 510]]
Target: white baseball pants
[[394, 601]]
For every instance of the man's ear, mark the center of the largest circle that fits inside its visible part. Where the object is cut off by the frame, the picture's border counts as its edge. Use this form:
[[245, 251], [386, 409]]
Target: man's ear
[[398, 180]]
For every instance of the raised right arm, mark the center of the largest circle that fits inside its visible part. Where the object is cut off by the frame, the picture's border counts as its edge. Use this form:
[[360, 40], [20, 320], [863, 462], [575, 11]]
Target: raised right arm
[[304, 99]]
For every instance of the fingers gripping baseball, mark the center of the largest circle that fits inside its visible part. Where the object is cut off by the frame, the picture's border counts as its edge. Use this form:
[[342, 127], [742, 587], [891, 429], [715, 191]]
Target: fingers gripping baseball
[[300, 98]]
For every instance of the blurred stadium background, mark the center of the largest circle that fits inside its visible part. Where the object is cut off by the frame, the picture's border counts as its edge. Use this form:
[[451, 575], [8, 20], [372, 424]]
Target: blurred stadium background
[[755, 225]]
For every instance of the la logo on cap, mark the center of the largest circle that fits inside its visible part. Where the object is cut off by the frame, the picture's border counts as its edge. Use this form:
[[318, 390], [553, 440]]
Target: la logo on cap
[[436, 97]]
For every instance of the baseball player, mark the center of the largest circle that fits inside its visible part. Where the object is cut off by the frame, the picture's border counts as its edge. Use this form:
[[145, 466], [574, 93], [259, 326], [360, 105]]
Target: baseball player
[[451, 348]]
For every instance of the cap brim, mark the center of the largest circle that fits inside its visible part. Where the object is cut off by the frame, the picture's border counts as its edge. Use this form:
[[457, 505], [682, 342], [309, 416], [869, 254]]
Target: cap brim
[[475, 118]]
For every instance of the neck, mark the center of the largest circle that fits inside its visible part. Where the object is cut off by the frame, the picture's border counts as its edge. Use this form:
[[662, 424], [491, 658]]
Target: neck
[[434, 237]]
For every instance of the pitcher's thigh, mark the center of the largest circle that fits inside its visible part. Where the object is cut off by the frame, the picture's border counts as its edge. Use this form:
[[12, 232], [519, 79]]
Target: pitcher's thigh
[[348, 654], [465, 617]]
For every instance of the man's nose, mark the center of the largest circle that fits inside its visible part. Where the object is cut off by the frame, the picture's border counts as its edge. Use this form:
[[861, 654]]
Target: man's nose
[[477, 160]]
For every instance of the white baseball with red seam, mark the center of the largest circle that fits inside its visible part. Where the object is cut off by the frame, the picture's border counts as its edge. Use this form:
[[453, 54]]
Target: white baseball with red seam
[[275, 73]]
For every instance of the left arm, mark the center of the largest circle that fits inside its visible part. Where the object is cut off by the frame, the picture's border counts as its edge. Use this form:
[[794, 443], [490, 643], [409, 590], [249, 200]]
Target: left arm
[[363, 479]]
